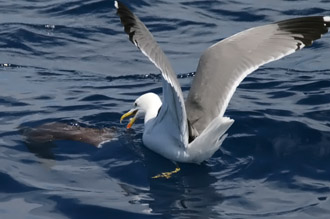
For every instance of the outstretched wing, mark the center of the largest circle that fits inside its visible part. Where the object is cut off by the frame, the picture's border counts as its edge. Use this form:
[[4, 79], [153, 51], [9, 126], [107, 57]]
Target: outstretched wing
[[224, 65], [173, 108]]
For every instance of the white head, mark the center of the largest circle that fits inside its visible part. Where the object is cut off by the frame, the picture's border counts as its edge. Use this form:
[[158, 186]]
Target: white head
[[146, 105]]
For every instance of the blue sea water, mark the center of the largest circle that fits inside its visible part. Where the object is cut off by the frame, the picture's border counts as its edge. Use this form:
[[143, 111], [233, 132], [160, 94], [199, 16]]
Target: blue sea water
[[71, 62]]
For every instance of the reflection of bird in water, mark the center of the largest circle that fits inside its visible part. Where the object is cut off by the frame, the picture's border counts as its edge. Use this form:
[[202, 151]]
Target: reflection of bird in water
[[44, 134], [193, 193]]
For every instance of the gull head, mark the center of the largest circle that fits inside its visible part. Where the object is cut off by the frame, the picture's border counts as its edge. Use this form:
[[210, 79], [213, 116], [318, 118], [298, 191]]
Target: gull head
[[146, 105]]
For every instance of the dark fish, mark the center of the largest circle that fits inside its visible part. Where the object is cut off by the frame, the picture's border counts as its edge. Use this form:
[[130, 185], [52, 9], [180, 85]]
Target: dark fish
[[61, 131]]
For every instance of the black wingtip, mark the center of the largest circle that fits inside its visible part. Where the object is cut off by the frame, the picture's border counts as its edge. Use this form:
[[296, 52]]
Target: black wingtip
[[306, 29], [127, 18]]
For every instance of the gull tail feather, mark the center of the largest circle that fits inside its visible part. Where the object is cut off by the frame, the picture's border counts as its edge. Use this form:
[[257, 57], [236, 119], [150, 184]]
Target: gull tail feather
[[210, 140]]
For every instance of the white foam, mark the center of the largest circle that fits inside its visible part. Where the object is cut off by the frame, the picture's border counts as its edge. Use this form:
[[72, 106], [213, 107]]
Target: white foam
[[116, 4], [326, 18], [106, 141]]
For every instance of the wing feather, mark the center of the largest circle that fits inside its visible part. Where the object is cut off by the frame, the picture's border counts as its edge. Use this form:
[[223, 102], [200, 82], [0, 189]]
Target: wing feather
[[225, 64], [173, 108]]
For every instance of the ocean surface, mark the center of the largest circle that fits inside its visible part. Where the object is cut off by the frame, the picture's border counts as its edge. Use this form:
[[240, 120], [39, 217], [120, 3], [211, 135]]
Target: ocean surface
[[71, 62]]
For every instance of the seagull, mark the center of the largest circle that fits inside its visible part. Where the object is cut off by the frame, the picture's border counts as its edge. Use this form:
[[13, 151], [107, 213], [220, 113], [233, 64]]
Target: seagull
[[192, 130]]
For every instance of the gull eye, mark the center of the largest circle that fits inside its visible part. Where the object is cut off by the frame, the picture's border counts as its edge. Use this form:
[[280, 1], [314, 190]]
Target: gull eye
[[135, 104]]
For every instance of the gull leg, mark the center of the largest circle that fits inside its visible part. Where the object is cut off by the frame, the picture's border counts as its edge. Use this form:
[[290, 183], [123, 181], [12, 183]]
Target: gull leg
[[167, 175]]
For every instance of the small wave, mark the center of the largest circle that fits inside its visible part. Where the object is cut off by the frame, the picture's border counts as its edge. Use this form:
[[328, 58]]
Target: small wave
[[77, 7], [147, 76]]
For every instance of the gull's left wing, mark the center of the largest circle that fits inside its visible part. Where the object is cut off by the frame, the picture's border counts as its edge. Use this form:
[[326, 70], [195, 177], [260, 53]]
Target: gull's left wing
[[225, 64], [173, 107]]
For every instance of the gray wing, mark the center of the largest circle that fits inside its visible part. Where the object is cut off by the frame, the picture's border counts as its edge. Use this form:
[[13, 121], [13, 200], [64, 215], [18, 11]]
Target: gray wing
[[173, 108], [224, 65]]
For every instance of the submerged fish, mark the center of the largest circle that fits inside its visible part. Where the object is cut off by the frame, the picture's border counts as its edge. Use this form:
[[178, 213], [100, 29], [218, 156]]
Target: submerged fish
[[61, 131]]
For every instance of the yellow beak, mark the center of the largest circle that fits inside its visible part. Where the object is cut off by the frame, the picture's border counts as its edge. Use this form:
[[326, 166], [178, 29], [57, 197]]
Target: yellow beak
[[132, 112]]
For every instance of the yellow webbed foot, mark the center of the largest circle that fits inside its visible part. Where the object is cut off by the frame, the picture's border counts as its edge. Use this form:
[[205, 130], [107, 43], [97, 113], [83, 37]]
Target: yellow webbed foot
[[167, 175]]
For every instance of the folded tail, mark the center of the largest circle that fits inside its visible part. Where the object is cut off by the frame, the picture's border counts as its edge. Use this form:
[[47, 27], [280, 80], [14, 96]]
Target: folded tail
[[210, 140]]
